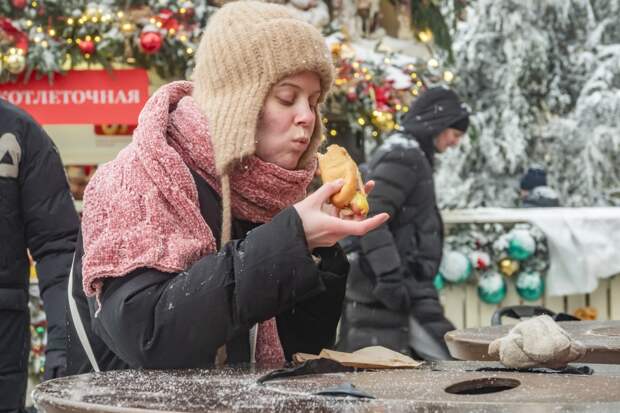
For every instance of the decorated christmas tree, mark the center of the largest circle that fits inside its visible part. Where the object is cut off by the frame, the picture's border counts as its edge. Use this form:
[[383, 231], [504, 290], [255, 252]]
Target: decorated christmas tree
[[48, 37], [543, 81]]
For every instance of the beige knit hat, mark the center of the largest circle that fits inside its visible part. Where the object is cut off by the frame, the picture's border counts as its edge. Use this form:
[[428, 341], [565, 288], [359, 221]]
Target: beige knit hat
[[246, 49]]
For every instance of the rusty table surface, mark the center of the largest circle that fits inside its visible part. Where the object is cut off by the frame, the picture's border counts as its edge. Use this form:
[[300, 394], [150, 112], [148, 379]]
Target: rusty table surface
[[439, 387], [601, 338]]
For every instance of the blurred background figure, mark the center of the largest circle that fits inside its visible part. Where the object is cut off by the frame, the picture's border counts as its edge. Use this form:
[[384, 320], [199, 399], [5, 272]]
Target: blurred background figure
[[534, 190], [391, 299]]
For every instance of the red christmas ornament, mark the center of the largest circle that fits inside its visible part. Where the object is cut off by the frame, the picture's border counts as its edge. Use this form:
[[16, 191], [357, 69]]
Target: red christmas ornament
[[22, 43], [87, 46], [480, 259], [19, 37], [165, 15], [382, 97], [351, 95], [167, 20], [150, 42], [19, 4]]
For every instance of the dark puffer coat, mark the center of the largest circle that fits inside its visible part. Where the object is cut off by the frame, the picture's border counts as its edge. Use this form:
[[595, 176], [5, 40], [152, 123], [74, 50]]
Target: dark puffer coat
[[393, 267], [152, 319], [36, 214]]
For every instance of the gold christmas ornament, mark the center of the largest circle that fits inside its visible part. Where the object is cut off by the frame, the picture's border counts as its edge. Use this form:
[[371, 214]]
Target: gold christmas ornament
[[15, 63], [508, 267], [383, 120]]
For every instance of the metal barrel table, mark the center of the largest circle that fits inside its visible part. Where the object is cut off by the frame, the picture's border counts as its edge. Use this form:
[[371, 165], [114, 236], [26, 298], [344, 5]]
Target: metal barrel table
[[438, 387], [601, 338]]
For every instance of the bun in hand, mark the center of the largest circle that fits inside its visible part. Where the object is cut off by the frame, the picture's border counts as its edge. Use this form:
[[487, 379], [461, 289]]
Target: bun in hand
[[336, 163]]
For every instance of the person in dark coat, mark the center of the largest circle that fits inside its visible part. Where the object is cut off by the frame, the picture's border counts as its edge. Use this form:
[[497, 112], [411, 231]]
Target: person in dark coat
[[36, 214], [199, 246], [390, 297], [535, 193]]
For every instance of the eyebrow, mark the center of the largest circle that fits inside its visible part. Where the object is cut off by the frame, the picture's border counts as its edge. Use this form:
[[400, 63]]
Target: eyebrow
[[297, 87]]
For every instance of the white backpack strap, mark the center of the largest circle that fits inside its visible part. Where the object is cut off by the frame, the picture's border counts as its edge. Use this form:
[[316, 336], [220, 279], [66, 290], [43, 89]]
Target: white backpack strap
[[253, 334], [77, 322]]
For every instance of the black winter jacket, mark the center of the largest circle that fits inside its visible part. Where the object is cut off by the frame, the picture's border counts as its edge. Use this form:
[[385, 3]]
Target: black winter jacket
[[36, 214], [393, 267], [151, 319]]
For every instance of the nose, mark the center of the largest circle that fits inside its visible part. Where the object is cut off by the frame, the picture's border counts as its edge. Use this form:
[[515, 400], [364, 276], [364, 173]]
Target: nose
[[304, 115]]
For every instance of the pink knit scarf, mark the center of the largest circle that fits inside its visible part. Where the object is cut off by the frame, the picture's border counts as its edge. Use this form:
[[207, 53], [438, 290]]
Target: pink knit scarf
[[141, 209]]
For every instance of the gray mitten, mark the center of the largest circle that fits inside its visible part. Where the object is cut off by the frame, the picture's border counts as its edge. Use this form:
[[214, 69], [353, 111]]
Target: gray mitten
[[537, 342]]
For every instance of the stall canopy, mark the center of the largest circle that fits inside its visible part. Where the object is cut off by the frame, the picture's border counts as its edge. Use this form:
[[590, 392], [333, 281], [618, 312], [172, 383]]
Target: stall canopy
[[82, 97]]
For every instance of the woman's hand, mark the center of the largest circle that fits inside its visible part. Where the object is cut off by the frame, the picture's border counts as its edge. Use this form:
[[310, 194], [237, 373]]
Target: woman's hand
[[322, 229], [347, 213]]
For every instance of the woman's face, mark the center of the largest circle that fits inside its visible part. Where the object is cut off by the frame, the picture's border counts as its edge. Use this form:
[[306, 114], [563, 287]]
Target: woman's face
[[287, 120]]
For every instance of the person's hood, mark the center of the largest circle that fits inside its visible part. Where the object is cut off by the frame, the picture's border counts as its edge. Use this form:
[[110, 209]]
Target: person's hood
[[435, 110]]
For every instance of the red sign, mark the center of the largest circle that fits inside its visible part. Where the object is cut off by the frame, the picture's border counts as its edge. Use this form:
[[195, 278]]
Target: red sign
[[83, 97]]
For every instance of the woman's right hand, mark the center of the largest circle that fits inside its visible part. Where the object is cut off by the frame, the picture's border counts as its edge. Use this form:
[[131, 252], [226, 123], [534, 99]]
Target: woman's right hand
[[323, 229]]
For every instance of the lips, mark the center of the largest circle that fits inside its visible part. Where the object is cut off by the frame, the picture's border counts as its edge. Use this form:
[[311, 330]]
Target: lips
[[301, 143]]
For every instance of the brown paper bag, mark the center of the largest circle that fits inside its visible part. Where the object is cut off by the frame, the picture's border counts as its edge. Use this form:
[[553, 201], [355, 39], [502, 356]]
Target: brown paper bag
[[375, 357]]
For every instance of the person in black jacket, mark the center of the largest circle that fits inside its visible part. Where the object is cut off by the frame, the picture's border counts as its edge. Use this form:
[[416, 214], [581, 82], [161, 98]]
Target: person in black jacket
[[534, 190], [36, 214], [390, 297], [198, 243]]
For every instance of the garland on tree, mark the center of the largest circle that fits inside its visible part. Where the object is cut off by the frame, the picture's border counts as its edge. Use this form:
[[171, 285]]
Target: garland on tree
[[489, 254], [373, 90], [47, 37]]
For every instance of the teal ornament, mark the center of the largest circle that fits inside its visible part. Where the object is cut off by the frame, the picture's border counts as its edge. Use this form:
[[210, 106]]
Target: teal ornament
[[521, 245], [439, 282], [455, 267], [530, 285], [492, 288]]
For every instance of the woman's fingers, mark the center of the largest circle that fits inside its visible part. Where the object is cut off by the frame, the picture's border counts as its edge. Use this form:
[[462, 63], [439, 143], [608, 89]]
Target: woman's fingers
[[360, 228], [369, 186], [322, 195], [342, 228]]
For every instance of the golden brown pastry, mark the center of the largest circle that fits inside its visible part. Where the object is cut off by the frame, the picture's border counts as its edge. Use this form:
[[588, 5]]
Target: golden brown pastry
[[336, 163]]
